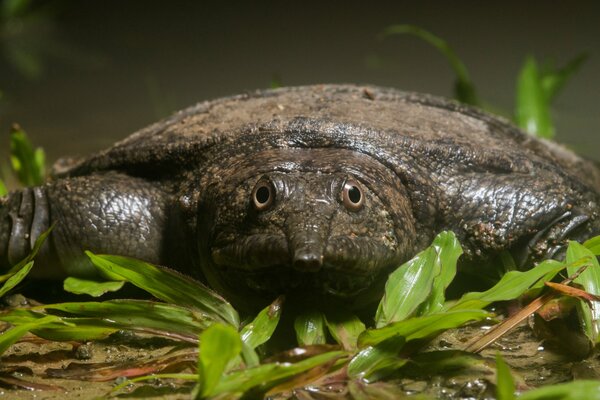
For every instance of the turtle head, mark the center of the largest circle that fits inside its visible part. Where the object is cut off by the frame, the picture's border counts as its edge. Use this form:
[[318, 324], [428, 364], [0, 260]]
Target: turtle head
[[313, 228]]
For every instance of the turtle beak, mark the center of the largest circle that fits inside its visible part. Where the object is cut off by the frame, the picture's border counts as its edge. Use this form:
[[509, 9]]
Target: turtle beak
[[306, 244]]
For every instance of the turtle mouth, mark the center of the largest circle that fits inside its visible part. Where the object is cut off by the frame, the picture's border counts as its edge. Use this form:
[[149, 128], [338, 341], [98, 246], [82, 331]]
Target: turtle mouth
[[264, 265]]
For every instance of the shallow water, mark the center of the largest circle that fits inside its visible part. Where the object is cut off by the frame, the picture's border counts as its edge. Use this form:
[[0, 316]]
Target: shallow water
[[80, 75]]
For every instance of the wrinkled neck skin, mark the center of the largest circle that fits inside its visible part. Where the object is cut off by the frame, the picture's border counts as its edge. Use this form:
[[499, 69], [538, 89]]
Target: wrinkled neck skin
[[306, 241]]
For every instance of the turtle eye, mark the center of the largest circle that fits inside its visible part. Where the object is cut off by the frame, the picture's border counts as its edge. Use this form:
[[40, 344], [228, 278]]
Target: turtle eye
[[263, 195], [352, 196]]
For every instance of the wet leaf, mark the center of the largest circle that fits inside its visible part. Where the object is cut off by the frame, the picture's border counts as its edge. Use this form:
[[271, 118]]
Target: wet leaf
[[108, 371], [448, 250], [345, 328], [267, 375], [590, 280], [58, 328], [448, 361], [168, 285], [407, 287], [141, 315], [593, 245], [512, 285], [576, 390], [219, 344], [464, 90], [421, 327], [13, 279], [18, 272], [10, 336], [505, 385], [92, 288], [310, 328], [532, 104], [11, 380], [376, 362], [27, 163], [262, 327], [573, 292]]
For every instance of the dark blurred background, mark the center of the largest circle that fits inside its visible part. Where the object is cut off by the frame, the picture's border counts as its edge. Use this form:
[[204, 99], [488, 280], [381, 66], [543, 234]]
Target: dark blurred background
[[78, 75]]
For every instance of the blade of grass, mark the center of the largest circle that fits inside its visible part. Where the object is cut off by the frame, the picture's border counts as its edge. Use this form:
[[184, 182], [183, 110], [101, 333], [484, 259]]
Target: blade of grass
[[590, 280], [32, 254], [3, 191], [532, 111], [91, 288], [376, 362], [576, 390], [28, 164], [219, 344], [262, 327], [15, 278], [345, 328], [512, 285], [505, 384], [168, 285], [59, 328], [268, 375], [310, 328], [10, 336], [464, 89], [140, 315], [421, 327]]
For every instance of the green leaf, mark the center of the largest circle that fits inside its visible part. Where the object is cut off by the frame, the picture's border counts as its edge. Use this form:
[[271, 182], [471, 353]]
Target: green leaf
[[553, 81], [512, 285], [376, 362], [267, 375], [262, 327], [532, 104], [421, 327], [58, 328], [345, 328], [448, 250], [13, 279], [407, 287], [505, 384], [310, 328], [576, 390], [92, 288], [219, 344], [28, 164], [590, 280], [3, 191], [168, 285], [140, 315], [593, 245], [18, 272], [464, 90], [10, 336]]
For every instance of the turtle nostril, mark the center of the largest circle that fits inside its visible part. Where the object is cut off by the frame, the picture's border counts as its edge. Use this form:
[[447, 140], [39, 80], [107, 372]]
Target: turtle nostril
[[307, 261]]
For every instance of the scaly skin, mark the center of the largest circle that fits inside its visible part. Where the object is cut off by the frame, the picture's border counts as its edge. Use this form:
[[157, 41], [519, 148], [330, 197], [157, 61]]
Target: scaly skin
[[182, 192]]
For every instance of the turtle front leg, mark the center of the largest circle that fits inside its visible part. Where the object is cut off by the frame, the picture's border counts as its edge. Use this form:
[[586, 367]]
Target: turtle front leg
[[105, 213]]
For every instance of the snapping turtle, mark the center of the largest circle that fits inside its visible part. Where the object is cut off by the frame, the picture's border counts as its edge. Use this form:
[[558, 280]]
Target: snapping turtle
[[319, 189]]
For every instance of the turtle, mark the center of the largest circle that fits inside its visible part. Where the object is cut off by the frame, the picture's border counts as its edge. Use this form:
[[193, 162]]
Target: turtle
[[318, 190]]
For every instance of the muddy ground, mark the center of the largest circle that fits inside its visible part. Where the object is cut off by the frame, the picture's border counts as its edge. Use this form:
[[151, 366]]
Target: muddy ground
[[532, 363]]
